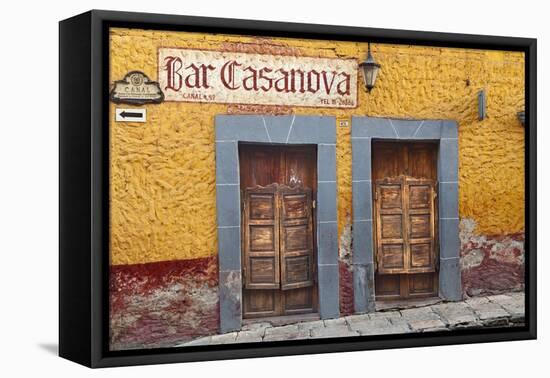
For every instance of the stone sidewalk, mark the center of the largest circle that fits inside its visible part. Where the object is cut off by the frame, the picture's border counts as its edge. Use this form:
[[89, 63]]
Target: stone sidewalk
[[504, 310]]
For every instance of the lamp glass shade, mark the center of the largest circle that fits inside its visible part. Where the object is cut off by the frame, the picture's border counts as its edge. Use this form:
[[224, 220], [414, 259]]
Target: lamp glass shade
[[370, 71]]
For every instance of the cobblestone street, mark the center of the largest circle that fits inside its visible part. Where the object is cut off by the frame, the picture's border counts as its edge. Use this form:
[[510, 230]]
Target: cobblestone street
[[504, 310]]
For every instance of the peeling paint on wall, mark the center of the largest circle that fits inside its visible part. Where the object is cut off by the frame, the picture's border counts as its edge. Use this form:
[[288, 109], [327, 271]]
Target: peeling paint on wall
[[345, 242], [346, 288], [160, 304], [346, 270], [490, 263]]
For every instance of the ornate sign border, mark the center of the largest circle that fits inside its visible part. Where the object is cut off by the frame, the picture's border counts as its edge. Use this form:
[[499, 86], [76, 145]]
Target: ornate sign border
[[145, 81]]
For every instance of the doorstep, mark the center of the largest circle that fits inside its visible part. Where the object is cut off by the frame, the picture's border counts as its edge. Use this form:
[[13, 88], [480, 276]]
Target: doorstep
[[404, 304], [282, 320]]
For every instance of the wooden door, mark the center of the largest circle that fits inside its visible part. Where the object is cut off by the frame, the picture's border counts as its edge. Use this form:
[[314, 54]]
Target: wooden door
[[405, 219], [278, 185]]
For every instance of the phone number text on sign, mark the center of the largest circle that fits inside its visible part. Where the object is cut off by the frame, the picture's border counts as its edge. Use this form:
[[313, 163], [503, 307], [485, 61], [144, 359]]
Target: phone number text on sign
[[239, 78]]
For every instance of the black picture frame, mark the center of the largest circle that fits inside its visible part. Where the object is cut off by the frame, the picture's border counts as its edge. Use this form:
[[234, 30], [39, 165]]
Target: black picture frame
[[84, 187]]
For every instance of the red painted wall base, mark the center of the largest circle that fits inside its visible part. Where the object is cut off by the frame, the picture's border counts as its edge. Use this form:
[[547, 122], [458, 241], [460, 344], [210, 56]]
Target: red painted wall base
[[161, 304], [346, 289], [493, 264]]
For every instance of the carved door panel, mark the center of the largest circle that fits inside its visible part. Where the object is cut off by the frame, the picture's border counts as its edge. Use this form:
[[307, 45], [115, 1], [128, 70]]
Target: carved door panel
[[405, 225], [278, 185], [391, 222], [296, 235], [261, 238], [405, 220], [420, 197]]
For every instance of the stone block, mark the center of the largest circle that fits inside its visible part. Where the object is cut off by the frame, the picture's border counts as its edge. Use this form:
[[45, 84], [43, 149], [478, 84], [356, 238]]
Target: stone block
[[357, 318], [227, 164], [311, 325], [426, 324], [381, 326], [405, 128], [361, 159], [313, 129], [326, 162], [513, 304], [449, 129], [326, 201], [290, 332], [428, 130], [385, 314], [256, 326], [329, 306], [367, 324], [197, 342], [278, 127], [250, 336], [450, 284], [372, 127], [448, 160], [363, 286], [499, 298], [335, 322], [230, 288], [455, 314], [249, 128], [228, 205], [419, 313], [450, 243], [362, 200], [448, 200], [489, 311], [328, 243], [227, 338], [474, 301], [333, 331], [362, 242], [229, 240]]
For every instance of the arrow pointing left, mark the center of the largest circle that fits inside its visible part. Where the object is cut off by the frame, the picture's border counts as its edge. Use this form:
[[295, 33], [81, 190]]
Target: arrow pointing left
[[130, 115]]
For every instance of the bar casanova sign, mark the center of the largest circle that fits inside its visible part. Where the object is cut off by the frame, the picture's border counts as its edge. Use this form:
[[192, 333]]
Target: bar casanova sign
[[239, 78]]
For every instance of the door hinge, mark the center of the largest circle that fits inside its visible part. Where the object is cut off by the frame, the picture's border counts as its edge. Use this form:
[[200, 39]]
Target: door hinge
[[313, 204]]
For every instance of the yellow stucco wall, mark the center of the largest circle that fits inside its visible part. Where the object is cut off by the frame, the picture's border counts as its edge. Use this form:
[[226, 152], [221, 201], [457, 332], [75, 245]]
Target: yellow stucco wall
[[163, 171]]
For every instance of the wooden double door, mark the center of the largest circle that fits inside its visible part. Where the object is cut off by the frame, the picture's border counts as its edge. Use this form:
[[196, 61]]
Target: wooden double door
[[278, 190], [405, 220]]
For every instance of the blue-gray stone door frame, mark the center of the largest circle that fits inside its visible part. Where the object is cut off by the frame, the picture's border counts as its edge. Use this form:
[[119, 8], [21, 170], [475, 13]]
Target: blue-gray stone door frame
[[366, 129], [293, 129]]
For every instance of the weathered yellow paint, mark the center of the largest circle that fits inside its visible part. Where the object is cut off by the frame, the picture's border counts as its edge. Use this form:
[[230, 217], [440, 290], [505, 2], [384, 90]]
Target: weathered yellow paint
[[163, 171]]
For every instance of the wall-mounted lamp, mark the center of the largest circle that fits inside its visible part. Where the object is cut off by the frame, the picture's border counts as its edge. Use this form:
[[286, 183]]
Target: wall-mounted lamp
[[481, 105], [370, 70], [521, 117]]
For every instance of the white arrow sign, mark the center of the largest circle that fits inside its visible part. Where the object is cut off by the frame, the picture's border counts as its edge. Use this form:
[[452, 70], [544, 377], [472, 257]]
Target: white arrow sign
[[130, 115]]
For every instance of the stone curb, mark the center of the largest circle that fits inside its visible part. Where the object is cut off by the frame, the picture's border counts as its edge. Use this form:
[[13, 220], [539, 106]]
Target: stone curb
[[503, 310]]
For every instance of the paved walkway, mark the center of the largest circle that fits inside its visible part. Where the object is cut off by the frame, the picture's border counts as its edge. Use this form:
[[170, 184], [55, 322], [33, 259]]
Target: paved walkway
[[504, 310]]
